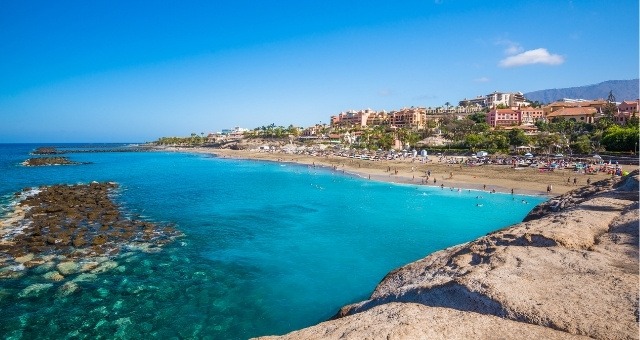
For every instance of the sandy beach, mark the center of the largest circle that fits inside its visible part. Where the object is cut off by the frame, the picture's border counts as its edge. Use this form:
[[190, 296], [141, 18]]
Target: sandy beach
[[501, 178]]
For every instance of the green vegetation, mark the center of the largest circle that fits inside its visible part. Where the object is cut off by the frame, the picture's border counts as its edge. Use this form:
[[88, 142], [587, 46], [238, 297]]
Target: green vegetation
[[193, 140], [617, 138]]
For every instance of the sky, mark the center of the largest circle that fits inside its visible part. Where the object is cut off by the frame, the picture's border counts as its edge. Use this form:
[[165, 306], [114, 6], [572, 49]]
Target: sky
[[134, 71]]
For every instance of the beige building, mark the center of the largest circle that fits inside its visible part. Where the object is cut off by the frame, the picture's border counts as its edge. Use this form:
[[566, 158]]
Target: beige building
[[576, 114]]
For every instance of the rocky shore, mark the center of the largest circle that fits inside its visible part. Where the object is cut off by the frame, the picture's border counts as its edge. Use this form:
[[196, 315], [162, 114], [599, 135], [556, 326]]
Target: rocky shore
[[65, 230], [569, 271]]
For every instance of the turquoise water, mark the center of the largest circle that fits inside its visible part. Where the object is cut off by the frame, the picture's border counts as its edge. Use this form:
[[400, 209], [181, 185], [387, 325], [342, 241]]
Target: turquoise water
[[268, 247]]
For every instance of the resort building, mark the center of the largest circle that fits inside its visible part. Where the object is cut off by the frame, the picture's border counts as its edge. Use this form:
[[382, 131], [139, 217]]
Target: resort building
[[626, 110], [576, 114], [530, 115], [408, 118], [502, 117], [378, 118], [479, 101], [352, 118], [573, 103], [513, 100], [629, 106], [507, 99]]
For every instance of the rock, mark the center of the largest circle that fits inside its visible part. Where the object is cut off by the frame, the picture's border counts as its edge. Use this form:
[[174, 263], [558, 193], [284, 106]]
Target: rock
[[416, 321], [12, 272], [35, 290], [78, 242], [67, 268], [105, 266], [25, 258], [67, 289], [53, 276], [99, 240], [85, 277]]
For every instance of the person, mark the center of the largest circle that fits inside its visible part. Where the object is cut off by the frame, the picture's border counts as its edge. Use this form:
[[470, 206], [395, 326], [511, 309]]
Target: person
[[588, 181], [512, 191], [548, 189], [575, 181]]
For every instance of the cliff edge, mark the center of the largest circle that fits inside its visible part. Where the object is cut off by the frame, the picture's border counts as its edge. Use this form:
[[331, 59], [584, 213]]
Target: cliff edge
[[569, 271]]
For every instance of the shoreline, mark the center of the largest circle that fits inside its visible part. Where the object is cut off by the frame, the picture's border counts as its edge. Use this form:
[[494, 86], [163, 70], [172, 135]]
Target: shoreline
[[487, 178]]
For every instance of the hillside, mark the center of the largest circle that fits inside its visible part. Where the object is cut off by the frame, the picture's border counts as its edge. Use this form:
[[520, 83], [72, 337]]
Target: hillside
[[622, 90]]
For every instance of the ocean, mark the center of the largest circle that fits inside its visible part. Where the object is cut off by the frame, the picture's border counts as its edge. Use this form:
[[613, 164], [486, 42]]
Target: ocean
[[268, 247]]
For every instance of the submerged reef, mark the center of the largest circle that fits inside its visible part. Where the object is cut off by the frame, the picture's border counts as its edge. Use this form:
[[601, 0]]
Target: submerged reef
[[64, 230]]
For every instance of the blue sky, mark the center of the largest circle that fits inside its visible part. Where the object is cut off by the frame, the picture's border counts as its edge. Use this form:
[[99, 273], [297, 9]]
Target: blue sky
[[116, 71]]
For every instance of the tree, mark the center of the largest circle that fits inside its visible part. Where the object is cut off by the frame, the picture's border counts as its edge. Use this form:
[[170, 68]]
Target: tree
[[473, 141], [535, 104], [478, 117], [385, 141], [633, 120], [517, 138], [547, 141], [618, 138], [582, 145]]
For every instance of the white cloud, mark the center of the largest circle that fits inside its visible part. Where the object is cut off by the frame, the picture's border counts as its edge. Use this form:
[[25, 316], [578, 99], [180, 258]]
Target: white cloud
[[482, 80], [537, 56]]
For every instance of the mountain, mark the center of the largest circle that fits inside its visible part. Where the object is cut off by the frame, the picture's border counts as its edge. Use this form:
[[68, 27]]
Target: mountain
[[622, 90]]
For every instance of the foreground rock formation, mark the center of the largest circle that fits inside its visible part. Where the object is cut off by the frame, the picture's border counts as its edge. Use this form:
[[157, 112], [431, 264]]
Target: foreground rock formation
[[569, 271]]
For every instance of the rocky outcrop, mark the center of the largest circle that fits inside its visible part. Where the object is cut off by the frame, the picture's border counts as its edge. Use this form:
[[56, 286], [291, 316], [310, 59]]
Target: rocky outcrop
[[45, 150], [562, 274], [74, 228], [45, 161]]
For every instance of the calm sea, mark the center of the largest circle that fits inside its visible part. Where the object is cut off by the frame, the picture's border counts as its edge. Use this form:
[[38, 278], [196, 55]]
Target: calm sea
[[269, 247]]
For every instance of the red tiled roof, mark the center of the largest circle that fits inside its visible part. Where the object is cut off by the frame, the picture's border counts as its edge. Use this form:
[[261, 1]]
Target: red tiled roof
[[573, 111]]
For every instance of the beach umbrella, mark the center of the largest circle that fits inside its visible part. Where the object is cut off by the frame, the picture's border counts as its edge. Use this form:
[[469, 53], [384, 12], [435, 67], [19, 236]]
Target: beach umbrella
[[528, 155], [596, 157]]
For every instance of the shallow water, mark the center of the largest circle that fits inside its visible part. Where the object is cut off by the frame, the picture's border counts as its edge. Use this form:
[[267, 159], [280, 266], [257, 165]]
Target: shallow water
[[269, 247]]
